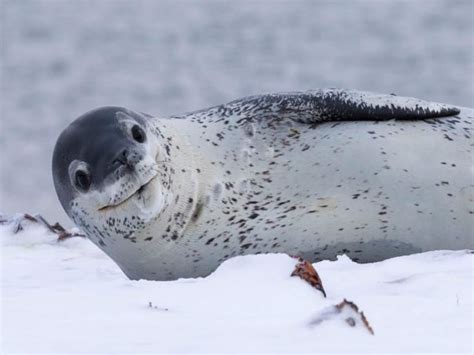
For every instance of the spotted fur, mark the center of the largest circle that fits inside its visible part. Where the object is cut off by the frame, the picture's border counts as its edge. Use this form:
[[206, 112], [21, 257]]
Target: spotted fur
[[313, 174]]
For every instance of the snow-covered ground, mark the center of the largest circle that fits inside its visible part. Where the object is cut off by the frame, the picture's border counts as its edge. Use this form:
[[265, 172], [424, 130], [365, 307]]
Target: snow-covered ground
[[63, 297]]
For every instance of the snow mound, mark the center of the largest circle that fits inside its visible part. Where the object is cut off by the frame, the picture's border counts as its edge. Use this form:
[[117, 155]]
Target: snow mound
[[67, 296]]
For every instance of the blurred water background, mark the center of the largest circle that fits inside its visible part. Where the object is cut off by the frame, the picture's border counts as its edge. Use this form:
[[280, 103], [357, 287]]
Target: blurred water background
[[62, 58]]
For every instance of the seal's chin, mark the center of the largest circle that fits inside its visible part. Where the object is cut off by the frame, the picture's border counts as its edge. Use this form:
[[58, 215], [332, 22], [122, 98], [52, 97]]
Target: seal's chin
[[137, 192]]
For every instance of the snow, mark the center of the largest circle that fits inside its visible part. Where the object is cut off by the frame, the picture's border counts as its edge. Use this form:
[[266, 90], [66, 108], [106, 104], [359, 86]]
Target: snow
[[62, 297]]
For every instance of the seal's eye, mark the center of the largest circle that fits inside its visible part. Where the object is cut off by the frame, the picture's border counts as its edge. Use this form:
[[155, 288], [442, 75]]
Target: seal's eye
[[82, 180], [138, 134]]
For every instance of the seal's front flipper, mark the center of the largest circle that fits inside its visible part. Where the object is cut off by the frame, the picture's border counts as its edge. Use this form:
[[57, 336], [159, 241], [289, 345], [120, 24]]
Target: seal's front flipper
[[328, 105]]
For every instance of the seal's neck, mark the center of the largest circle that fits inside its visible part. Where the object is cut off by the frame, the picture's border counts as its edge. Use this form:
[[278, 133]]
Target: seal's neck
[[178, 178]]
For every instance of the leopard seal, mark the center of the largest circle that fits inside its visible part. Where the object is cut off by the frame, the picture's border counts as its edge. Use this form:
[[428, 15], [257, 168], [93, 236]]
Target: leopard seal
[[313, 174]]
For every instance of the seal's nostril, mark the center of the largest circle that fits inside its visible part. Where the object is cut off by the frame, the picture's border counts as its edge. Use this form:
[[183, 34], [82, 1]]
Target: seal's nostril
[[121, 158], [124, 154]]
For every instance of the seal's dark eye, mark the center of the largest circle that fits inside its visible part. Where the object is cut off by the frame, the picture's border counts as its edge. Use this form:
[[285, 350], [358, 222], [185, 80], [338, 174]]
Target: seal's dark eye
[[138, 134], [83, 180]]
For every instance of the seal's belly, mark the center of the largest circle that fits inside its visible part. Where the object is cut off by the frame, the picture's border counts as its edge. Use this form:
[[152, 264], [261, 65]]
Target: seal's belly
[[369, 190]]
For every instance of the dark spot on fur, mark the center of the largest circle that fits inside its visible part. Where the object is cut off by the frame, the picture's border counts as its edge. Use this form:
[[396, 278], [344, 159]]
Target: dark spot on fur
[[197, 211]]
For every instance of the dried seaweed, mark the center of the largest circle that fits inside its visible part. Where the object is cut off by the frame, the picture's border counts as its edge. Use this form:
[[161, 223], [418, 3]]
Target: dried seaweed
[[305, 270], [18, 225]]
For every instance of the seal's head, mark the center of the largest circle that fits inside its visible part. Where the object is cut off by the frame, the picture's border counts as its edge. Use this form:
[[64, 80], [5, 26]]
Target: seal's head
[[106, 172]]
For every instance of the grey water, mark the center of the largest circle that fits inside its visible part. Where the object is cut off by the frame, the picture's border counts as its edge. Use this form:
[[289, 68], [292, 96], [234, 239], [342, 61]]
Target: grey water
[[60, 59]]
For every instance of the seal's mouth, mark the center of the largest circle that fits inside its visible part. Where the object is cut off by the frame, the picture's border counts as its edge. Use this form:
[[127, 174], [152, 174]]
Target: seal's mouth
[[136, 192]]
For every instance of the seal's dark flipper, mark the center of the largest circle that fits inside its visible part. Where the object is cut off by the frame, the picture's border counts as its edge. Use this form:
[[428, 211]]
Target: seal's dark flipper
[[330, 105], [345, 105]]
